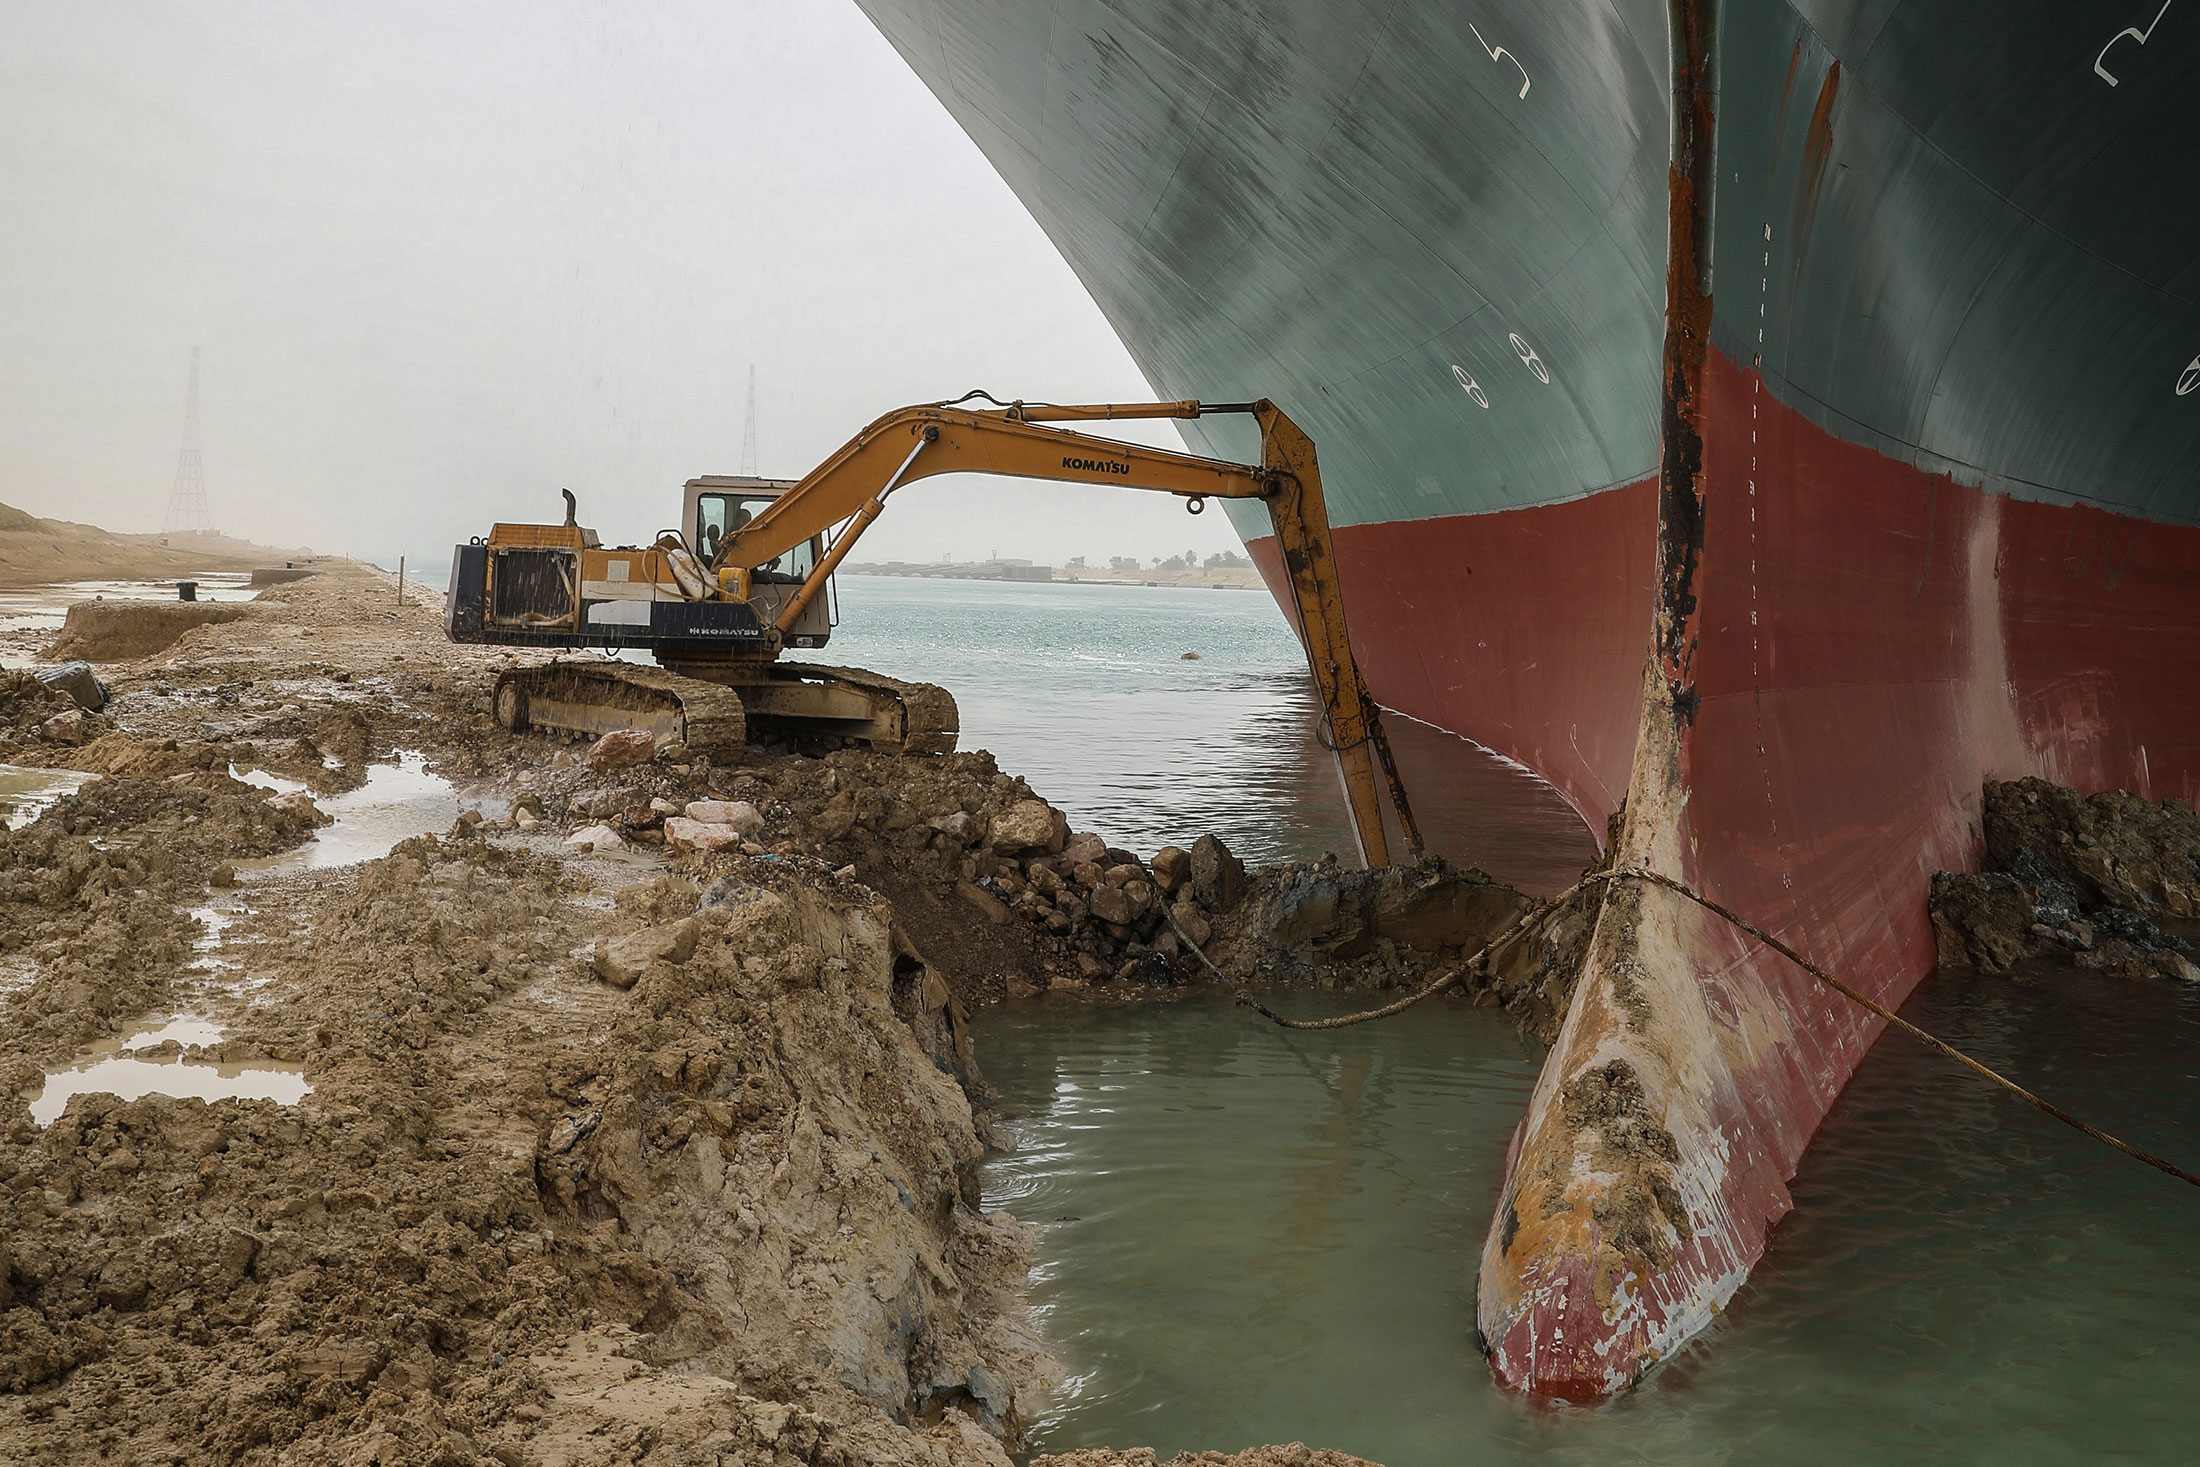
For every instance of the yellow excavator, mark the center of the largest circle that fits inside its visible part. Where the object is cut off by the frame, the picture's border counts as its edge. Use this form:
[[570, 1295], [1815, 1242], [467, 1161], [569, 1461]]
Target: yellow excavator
[[748, 575]]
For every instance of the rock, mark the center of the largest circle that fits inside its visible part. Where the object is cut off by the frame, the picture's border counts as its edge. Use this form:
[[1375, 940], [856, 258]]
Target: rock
[[659, 805], [1172, 867], [596, 837], [1123, 873], [1045, 881], [739, 814], [1029, 826], [1110, 904], [1981, 920], [525, 819], [1140, 895], [75, 679], [2129, 926], [1193, 925], [621, 961], [2054, 901], [1218, 877], [621, 749], [2115, 849], [1087, 873], [299, 804], [683, 833], [985, 901], [606, 803], [1091, 970], [66, 728], [960, 827], [1086, 848], [734, 896]]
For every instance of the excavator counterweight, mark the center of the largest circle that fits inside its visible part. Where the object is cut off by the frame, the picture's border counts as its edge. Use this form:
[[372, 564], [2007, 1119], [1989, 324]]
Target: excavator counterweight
[[748, 576]]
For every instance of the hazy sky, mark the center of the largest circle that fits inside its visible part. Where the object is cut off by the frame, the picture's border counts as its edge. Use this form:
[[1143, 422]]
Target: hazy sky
[[442, 259]]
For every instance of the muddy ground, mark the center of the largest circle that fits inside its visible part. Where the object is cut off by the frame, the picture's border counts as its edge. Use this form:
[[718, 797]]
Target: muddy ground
[[624, 1151]]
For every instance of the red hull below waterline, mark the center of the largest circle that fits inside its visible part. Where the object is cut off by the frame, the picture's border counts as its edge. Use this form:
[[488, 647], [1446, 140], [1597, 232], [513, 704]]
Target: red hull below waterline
[[1510, 629], [1875, 643]]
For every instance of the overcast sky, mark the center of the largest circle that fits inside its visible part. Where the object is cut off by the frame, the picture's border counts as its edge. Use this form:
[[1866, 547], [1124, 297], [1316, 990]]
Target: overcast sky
[[442, 259]]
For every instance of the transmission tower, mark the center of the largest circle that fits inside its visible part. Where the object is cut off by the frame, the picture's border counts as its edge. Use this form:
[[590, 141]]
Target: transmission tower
[[187, 512], [748, 429]]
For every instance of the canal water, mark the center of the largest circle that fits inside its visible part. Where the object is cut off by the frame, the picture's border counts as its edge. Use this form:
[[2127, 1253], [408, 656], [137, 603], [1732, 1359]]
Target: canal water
[[1252, 1235], [1085, 691]]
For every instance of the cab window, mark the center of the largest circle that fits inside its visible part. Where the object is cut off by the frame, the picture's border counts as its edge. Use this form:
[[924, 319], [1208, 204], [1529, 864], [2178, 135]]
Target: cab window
[[718, 514]]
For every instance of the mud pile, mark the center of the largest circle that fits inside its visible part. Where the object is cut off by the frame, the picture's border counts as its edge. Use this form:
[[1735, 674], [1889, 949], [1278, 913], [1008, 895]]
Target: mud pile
[[997, 888], [526, 1213], [2106, 879], [114, 631], [719, 1209]]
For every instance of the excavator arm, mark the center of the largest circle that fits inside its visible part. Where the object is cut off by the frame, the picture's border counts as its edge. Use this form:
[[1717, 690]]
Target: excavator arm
[[850, 489]]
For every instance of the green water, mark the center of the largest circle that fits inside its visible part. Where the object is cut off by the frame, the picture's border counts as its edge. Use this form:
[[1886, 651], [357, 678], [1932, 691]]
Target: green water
[[1256, 1236]]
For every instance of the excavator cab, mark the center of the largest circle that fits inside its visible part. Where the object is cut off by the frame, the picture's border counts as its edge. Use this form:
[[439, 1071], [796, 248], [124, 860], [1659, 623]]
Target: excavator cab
[[720, 505]]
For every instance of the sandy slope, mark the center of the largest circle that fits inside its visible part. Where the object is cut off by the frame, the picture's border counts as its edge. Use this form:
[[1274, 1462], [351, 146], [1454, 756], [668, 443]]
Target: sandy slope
[[36, 552]]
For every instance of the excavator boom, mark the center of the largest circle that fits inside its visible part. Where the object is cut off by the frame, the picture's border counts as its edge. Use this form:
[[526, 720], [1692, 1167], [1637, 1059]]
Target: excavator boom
[[850, 490]]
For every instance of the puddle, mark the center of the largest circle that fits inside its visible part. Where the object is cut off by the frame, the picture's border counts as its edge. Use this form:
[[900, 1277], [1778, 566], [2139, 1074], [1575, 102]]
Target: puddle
[[207, 946], [44, 608], [26, 794], [398, 802], [185, 1029], [274, 782], [120, 1067]]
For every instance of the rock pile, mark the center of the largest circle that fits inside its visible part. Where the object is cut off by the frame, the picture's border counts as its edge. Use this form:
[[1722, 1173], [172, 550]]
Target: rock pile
[[989, 879], [2093, 877]]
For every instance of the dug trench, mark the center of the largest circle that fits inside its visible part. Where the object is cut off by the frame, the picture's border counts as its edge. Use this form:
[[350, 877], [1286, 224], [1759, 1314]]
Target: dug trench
[[642, 1115]]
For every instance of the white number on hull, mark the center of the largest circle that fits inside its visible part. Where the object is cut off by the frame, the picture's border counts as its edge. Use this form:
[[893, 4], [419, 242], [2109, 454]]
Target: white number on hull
[[2130, 30], [2189, 378], [1529, 359], [1499, 53], [1469, 386]]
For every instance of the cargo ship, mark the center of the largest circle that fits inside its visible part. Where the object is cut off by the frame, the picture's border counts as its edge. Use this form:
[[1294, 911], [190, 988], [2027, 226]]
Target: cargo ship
[[1765, 420]]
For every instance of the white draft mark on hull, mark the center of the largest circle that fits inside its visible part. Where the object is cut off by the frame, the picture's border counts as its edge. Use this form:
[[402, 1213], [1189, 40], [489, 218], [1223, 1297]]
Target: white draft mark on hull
[[1529, 359], [1469, 386], [1499, 53], [2098, 69]]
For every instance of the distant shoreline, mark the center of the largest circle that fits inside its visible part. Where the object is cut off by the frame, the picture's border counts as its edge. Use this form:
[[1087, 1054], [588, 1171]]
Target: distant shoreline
[[1232, 578]]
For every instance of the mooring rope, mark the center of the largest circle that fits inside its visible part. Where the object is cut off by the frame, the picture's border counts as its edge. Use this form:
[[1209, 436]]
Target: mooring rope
[[1454, 974]]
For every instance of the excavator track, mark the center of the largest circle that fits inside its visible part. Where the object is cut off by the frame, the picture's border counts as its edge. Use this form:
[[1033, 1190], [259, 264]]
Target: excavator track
[[930, 721], [595, 698], [808, 703]]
